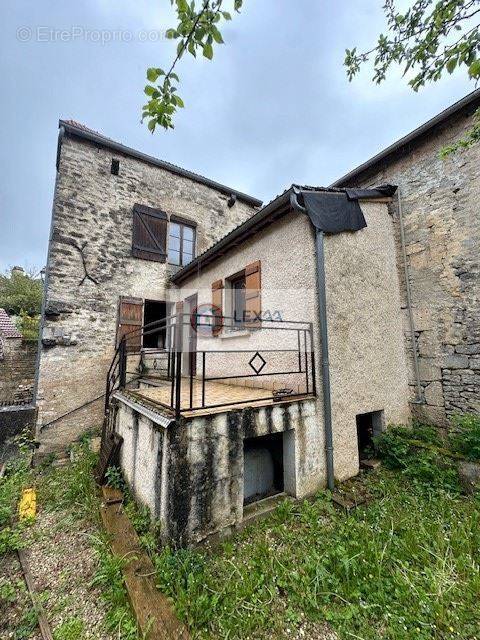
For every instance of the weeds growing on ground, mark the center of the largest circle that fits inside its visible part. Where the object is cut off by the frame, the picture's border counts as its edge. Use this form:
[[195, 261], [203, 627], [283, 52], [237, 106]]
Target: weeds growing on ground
[[70, 489], [404, 566]]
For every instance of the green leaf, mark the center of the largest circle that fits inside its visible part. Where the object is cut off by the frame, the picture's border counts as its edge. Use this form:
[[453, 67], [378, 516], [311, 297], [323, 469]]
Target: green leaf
[[217, 36], [474, 69], [149, 90], [179, 102], [151, 125], [152, 74], [182, 5], [180, 48], [171, 33], [208, 51], [451, 64], [174, 76], [226, 15]]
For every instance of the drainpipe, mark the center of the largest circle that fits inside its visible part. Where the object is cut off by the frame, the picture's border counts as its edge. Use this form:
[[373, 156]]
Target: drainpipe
[[419, 399], [322, 320]]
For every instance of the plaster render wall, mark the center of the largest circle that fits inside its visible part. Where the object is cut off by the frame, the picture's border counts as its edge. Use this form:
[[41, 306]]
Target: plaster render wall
[[287, 255], [367, 354], [190, 475], [92, 221], [442, 229], [368, 364]]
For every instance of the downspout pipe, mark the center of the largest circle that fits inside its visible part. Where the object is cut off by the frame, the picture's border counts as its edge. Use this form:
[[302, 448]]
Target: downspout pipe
[[419, 398], [323, 324]]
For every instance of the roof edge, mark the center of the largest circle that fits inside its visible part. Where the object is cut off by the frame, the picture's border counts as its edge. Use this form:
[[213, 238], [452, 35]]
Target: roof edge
[[470, 100], [97, 138], [212, 253], [275, 208]]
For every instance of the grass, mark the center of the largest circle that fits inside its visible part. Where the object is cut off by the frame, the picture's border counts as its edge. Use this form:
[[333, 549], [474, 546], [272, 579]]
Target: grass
[[71, 491], [404, 566]]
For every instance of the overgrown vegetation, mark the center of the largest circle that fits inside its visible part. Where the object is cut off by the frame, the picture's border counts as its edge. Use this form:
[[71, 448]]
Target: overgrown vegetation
[[70, 490], [404, 566], [21, 295]]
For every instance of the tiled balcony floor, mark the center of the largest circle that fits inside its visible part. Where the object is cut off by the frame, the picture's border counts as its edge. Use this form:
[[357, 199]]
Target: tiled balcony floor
[[230, 396]]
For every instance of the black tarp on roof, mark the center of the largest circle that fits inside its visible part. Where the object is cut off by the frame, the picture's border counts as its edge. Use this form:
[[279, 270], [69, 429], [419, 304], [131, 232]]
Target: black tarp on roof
[[337, 211]]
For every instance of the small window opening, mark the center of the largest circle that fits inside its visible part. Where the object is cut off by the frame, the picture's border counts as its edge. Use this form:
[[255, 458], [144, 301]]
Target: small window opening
[[369, 425], [115, 168], [263, 467], [154, 311]]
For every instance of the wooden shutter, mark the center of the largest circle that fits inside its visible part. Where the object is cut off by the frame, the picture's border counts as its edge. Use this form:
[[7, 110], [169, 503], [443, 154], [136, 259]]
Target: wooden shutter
[[149, 240], [217, 307], [130, 318], [253, 289]]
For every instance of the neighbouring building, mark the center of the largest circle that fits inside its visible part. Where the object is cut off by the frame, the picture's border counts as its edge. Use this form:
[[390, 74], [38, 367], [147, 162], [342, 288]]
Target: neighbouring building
[[440, 200], [122, 223], [17, 364]]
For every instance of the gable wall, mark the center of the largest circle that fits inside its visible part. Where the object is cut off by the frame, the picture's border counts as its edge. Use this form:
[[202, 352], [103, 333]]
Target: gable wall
[[442, 226], [93, 209]]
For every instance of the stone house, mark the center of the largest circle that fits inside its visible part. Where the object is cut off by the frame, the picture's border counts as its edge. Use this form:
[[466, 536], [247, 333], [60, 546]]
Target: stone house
[[122, 223], [244, 352]]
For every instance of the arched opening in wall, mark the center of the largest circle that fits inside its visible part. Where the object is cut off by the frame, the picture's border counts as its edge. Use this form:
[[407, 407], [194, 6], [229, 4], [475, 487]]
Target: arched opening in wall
[[262, 467], [369, 425]]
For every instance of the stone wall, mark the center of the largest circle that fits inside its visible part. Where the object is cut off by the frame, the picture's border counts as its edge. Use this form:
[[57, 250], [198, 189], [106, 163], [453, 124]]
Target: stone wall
[[442, 227], [17, 370], [90, 265]]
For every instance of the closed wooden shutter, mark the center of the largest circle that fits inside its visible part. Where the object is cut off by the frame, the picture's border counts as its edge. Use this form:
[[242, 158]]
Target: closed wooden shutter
[[217, 306], [130, 318], [149, 240], [253, 290]]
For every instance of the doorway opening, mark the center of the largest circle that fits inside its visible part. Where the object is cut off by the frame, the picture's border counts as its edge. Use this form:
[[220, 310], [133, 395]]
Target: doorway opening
[[369, 425], [153, 311], [263, 467]]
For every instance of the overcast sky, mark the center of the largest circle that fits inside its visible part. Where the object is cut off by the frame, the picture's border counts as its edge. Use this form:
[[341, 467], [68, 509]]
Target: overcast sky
[[274, 107]]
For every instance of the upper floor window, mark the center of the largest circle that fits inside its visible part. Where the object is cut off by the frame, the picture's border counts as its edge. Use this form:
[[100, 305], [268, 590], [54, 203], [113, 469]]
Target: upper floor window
[[181, 243]]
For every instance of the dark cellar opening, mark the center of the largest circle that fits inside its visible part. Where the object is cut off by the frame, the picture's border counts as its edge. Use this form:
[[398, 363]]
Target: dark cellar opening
[[153, 311], [263, 467], [369, 425]]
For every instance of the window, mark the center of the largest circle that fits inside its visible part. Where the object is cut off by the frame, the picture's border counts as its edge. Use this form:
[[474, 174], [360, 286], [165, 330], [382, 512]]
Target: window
[[238, 288], [181, 244], [115, 167]]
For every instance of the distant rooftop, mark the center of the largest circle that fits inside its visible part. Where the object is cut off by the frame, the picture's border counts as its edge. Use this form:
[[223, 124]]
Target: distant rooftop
[[467, 105], [7, 328], [74, 128]]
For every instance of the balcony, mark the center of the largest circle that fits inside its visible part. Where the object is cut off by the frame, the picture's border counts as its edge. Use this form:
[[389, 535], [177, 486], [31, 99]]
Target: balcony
[[211, 364]]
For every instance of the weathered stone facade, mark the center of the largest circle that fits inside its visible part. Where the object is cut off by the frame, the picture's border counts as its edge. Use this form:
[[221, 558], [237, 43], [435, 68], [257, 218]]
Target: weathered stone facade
[[442, 230], [17, 370], [90, 265]]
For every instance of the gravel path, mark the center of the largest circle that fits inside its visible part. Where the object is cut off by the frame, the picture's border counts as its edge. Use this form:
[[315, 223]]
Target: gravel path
[[17, 619], [63, 564]]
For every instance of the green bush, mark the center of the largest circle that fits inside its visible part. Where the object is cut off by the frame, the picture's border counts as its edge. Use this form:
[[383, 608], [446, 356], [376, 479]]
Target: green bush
[[424, 466], [465, 436]]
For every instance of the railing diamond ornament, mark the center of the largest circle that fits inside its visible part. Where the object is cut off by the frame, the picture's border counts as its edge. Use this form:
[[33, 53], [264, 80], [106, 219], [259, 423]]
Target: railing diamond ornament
[[257, 363]]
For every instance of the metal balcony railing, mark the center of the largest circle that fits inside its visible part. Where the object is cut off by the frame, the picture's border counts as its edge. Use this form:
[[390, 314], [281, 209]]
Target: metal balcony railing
[[189, 372]]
